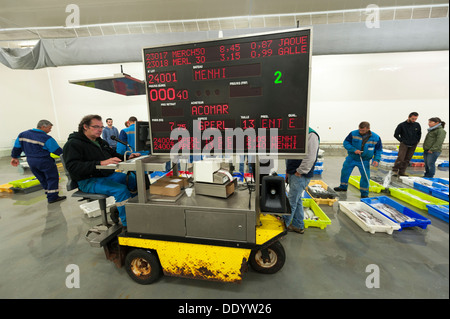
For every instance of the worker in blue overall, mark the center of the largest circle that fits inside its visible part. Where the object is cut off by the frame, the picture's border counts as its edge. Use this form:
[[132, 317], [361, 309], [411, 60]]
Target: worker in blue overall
[[127, 135], [37, 146], [85, 150], [362, 146]]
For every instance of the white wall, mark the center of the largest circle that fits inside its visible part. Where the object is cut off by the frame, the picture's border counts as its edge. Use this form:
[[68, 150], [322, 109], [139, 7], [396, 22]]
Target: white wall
[[379, 88], [24, 99], [75, 101], [345, 90]]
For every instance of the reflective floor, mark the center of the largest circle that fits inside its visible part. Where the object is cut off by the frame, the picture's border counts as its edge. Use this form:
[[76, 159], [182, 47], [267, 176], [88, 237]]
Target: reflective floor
[[39, 243]]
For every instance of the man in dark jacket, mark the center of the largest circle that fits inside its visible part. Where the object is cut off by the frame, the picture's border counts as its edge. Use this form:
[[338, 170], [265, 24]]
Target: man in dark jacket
[[408, 133], [85, 150], [299, 174]]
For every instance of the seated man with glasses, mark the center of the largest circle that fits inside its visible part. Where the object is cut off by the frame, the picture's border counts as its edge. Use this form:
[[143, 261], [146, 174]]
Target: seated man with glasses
[[85, 150]]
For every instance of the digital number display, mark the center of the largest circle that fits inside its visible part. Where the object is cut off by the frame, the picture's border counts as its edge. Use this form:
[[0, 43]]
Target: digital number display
[[228, 52], [257, 85], [167, 94], [162, 77]]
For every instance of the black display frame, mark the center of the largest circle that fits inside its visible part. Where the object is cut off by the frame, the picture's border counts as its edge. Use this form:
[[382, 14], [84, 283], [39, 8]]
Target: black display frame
[[169, 90]]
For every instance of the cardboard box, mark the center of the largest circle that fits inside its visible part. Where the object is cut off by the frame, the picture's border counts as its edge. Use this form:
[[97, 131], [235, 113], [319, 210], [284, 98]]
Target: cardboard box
[[181, 181], [165, 188], [216, 190]]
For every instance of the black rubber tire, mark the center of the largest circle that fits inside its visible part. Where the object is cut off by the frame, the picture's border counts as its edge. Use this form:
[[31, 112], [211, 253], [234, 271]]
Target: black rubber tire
[[277, 256], [143, 266]]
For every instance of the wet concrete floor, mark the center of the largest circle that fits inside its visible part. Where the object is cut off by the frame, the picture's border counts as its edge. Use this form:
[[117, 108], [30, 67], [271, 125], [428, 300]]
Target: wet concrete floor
[[39, 243]]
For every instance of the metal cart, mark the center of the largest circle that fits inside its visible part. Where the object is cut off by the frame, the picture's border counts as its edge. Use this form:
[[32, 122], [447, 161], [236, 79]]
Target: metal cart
[[198, 237]]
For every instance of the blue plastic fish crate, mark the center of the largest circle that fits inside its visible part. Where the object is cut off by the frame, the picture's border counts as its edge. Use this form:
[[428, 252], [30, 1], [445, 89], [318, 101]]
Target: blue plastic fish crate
[[439, 211], [419, 220], [427, 189], [444, 164], [441, 193], [437, 180], [318, 171], [424, 188], [389, 153]]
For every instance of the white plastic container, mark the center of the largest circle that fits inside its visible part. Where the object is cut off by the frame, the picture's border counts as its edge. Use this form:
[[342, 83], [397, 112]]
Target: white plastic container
[[92, 209], [388, 227], [410, 180]]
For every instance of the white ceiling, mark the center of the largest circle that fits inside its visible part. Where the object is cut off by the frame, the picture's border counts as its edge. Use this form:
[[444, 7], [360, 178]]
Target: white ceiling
[[406, 25], [44, 13]]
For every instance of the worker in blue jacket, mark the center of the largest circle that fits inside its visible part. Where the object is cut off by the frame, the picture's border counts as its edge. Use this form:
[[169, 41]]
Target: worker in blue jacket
[[37, 146], [127, 135], [362, 146]]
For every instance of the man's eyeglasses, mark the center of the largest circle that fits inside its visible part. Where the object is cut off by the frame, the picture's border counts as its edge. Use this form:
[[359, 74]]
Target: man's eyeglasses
[[97, 127]]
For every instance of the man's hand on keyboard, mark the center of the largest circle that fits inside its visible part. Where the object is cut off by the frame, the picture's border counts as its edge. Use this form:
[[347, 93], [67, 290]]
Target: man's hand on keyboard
[[112, 160], [133, 155]]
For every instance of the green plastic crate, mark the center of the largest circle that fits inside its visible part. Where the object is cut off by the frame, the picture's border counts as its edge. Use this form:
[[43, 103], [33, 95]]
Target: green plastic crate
[[25, 182], [373, 186], [323, 220], [416, 198]]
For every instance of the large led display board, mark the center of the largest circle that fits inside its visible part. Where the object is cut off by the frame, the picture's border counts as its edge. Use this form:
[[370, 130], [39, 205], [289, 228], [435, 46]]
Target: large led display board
[[209, 94]]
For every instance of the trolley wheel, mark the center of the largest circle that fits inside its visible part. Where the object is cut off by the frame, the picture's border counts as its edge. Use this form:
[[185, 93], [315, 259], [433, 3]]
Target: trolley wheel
[[268, 260], [142, 266]]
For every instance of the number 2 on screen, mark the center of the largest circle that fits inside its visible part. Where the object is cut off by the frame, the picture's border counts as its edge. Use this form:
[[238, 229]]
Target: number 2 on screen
[[278, 77]]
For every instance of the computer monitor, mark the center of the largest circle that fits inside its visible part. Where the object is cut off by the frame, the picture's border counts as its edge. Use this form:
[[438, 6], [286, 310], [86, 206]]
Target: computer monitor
[[142, 136]]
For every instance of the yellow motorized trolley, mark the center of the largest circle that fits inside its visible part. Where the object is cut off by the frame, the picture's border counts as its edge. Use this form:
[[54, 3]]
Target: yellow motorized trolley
[[202, 237]]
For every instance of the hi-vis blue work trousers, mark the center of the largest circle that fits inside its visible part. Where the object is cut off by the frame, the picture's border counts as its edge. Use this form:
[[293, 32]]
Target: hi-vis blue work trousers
[[112, 185], [347, 168], [45, 170]]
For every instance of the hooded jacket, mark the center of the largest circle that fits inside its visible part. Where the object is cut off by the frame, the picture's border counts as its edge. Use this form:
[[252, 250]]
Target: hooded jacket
[[81, 155], [434, 139]]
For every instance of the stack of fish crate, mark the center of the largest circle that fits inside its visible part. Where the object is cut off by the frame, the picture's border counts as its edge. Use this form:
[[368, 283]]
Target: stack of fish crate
[[318, 168], [417, 159], [388, 158]]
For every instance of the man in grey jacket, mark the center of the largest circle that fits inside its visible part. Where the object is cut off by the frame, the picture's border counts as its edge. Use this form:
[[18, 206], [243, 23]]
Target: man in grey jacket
[[299, 174]]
